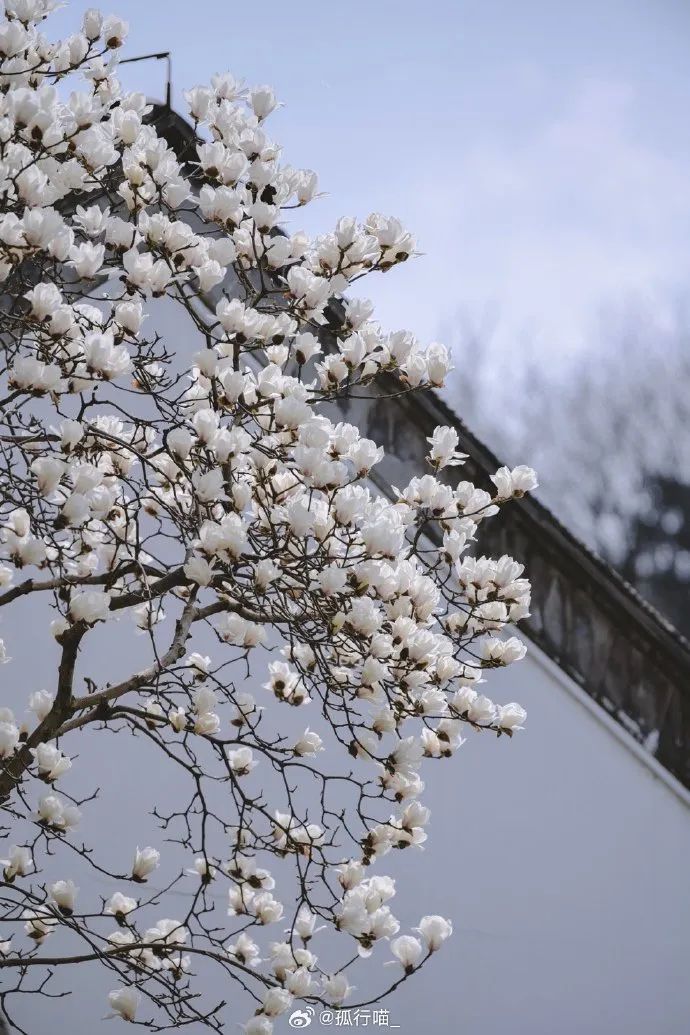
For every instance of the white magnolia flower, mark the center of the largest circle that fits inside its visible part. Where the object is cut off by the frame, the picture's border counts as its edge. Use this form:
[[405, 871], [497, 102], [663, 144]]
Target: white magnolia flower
[[275, 1001], [64, 894], [511, 716], [145, 862], [266, 909], [119, 905], [9, 737], [52, 812], [89, 606], [263, 101], [178, 719], [259, 1025], [481, 710], [201, 666], [245, 950], [124, 1002], [204, 869], [87, 259], [309, 743], [48, 471], [444, 451], [407, 950], [167, 932], [50, 761], [58, 627], [336, 989], [19, 863], [207, 724], [39, 924], [434, 931], [40, 703], [305, 923], [503, 652], [241, 761], [44, 299], [71, 434], [180, 442], [514, 483]]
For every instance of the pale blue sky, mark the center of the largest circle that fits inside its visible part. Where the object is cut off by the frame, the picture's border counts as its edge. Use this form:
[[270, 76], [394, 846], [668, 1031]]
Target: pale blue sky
[[538, 150]]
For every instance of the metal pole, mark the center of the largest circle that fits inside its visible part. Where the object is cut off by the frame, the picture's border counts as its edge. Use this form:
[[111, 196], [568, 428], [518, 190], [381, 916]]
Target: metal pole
[[163, 55]]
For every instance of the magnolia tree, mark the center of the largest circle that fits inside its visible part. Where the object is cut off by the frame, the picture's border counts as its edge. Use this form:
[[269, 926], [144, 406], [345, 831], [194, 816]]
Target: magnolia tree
[[211, 497]]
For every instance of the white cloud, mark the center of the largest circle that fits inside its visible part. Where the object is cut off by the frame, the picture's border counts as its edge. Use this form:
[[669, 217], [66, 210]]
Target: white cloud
[[548, 225]]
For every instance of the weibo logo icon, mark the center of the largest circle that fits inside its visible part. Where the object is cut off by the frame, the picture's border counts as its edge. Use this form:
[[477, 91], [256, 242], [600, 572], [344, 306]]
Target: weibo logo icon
[[301, 1018]]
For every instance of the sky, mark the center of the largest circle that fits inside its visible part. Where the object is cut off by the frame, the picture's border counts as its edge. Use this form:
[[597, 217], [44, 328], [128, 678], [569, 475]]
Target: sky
[[539, 151]]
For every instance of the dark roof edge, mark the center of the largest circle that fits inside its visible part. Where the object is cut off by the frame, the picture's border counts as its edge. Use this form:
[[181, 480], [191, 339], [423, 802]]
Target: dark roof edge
[[638, 609]]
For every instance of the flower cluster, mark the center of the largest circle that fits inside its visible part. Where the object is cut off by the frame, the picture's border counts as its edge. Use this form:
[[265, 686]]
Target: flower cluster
[[214, 491]]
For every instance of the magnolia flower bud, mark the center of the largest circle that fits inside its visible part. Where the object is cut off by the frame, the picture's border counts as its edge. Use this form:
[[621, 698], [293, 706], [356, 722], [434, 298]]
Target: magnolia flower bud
[[154, 712]]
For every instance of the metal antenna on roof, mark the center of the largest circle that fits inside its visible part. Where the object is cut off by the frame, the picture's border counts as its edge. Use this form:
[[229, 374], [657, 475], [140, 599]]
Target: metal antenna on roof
[[164, 55]]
